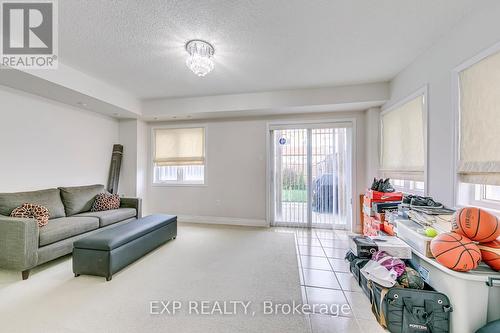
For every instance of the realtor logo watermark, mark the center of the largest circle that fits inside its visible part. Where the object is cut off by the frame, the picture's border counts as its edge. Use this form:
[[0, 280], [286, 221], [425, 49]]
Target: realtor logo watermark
[[246, 308], [29, 34]]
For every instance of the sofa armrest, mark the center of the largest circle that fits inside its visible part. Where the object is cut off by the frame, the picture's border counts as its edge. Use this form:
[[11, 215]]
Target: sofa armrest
[[18, 243], [132, 203]]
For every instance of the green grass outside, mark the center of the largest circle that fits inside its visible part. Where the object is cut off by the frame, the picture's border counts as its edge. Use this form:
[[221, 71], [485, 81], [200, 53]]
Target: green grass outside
[[294, 195]]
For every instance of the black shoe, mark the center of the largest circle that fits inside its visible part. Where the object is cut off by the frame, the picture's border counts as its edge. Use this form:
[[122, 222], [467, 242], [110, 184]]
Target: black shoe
[[387, 186], [375, 184], [380, 186], [407, 199], [425, 202]]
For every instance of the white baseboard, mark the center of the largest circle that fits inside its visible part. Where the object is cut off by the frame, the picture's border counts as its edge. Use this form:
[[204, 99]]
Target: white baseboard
[[222, 220]]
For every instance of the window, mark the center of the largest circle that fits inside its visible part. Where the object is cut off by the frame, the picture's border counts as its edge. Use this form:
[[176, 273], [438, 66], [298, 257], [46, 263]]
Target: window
[[487, 193], [478, 166], [403, 145], [179, 156], [490, 193], [480, 195], [408, 186]]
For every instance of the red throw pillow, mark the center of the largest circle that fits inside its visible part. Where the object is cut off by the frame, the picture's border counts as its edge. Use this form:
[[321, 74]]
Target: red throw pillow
[[28, 210], [105, 201]]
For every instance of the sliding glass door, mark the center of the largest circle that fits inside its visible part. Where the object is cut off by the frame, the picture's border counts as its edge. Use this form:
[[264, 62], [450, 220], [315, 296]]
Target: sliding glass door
[[311, 175]]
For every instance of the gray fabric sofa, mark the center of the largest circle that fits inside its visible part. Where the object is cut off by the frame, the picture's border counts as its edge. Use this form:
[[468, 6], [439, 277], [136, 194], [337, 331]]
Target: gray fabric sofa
[[23, 245]]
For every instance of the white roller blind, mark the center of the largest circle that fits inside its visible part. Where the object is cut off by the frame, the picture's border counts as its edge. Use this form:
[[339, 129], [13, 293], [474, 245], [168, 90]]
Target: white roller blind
[[403, 141], [179, 146], [480, 122]]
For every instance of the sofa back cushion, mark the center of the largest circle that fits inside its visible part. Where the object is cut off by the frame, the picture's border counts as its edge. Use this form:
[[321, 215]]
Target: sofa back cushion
[[50, 198], [79, 199]]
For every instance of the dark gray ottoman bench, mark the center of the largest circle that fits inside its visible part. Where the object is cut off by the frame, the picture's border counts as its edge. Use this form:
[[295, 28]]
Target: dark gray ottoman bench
[[106, 252]]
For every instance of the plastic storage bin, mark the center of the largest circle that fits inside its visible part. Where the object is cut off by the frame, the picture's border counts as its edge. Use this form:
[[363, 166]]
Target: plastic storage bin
[[475, 296], [407, 231]]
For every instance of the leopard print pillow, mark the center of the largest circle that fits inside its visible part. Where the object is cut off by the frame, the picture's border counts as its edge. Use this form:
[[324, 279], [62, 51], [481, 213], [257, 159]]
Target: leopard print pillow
[[29, 210], [105, 201]]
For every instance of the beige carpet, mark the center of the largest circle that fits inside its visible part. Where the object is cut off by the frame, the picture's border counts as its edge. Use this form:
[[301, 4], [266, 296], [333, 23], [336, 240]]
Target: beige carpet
[[204, 263]]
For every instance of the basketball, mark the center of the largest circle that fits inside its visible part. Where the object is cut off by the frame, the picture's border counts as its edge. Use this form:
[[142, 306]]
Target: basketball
[[491, 254], [455, 251], [476, 224]]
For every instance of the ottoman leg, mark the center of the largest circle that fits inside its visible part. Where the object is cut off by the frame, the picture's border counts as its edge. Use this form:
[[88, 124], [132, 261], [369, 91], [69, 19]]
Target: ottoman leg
[[108, 278], [77, 275]]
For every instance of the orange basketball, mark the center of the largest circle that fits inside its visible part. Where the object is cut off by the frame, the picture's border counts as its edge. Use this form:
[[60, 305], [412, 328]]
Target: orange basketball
[[455, 251], [476, 224], [491, 254]]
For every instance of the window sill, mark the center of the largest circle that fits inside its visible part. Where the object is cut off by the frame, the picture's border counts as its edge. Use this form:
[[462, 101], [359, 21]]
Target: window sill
[[409, 192], [179, 185], [493, 209]]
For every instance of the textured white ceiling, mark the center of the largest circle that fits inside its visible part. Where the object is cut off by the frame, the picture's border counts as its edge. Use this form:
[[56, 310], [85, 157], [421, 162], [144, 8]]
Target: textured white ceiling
[[260, 45]]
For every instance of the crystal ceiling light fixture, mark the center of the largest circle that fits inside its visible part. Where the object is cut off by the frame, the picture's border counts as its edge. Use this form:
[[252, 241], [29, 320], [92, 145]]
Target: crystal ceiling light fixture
[[200, 56]]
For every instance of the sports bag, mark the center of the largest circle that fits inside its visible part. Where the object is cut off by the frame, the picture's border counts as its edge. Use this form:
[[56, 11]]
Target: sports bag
[[355, 266], [404, 310]]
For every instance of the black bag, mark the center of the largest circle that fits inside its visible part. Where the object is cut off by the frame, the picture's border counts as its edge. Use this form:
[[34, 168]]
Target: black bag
[[355, 265], [404, 310]]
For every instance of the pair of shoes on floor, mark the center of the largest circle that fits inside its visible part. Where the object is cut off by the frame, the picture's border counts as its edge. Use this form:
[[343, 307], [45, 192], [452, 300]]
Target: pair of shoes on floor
[[418, 201], [382, 185]]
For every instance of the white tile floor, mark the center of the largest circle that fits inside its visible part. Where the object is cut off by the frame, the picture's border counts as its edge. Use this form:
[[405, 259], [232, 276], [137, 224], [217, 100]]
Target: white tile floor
[[325, 279]]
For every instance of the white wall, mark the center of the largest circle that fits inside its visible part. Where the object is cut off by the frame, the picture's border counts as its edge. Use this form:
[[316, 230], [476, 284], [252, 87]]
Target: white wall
[[72, 87], [47, 144], [87, 85], [236, 173], [128, 138], [133, 177], [372, 143], [476, 32], [268, 103], [142, 162]]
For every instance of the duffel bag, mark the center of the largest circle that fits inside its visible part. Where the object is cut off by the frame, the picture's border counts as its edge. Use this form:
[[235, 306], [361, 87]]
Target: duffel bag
[[355, 264], [404, 310], [377, 299]]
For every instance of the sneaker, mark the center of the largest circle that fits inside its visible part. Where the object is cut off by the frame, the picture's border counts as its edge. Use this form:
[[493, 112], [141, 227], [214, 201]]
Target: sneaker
[[387, 186], [375, 184], [407, 198], [380, 186], [424, 202]]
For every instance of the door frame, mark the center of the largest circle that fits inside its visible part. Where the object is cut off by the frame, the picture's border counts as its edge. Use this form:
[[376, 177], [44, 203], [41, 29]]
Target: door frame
[[306, 123]]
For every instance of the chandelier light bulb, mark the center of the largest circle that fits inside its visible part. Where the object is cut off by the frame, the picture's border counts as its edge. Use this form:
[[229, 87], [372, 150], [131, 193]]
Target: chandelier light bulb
[[200, 56]]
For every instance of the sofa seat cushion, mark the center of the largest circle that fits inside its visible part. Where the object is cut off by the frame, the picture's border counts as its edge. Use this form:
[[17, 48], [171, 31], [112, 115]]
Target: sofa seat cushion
[[51, 199], [107, 217], [66, 227], [79, 199]]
